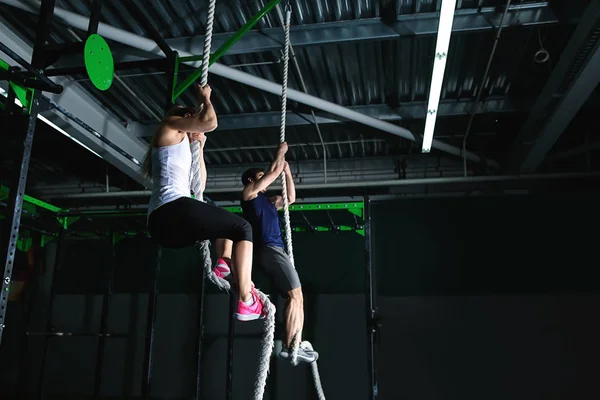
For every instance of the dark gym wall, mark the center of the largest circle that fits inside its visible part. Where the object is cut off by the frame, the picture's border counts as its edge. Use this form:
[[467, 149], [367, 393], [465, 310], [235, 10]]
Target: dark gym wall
[[487, 245], [331, 269], [480, 297], [71, 361], [488, 297]]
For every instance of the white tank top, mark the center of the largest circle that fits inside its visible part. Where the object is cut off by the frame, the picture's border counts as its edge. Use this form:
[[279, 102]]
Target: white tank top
[[171, 169]]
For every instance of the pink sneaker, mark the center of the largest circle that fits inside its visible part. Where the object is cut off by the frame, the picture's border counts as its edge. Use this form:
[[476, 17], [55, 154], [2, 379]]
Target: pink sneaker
[[222, 269], [252, 312]]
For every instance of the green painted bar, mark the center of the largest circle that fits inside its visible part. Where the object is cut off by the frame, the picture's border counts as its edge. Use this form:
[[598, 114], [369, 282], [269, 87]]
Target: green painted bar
[[42, 204], [313, 207], [350, 206], [32, 200], [353, 207], [223, 49]]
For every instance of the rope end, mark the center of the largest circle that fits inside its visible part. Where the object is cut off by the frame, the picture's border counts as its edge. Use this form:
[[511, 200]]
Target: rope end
[[288, 14]]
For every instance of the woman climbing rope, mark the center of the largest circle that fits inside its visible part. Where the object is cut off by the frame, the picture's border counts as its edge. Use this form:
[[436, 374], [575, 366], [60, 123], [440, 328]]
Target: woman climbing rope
[[175, 220]]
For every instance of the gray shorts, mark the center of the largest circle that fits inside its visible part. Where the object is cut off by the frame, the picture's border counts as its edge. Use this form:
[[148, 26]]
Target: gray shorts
[[277, 265]]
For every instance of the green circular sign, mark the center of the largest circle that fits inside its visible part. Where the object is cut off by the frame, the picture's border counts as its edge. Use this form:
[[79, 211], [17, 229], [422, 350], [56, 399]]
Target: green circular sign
[[99, 62]]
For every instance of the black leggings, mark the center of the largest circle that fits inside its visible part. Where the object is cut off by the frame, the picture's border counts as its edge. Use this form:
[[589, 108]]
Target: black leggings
[[182, 222]]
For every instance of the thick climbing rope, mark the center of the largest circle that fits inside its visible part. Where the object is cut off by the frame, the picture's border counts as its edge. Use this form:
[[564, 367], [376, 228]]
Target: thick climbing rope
[[196, 181], [284, 195], [286, 58], [196, 187], [286, 212]]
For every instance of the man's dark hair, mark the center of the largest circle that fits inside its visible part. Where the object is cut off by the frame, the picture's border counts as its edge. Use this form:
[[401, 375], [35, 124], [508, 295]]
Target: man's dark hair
[[250, 174]]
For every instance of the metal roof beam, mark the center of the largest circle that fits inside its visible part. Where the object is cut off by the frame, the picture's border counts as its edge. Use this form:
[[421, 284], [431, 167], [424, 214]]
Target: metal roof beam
[[368, 29], [549, 118], [147, 45], [406, 111], [78, 102]]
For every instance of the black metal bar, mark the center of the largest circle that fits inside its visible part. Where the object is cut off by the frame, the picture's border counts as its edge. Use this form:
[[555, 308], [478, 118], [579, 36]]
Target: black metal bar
[[42, 33], [54, 51], [335, 228], [22, 380], [15, 75], [273, 379], [55, 272], [148, 26], [15, 202], [152, 64], [273, 373], [79, 334], [150, 331], [200, 336], [63, 48], [105, 213], [51, 86], [171, 68], [10, 106], [370, 302], [230, 336], [95, 16], [104, 321], [19, 180]]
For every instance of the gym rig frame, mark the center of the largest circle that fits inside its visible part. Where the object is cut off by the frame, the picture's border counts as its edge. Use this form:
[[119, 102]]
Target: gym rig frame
[[27, 86]]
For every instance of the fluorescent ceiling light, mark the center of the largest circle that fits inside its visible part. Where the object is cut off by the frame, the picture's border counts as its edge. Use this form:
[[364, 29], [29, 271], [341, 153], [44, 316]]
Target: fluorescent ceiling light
[[439, 66], [52, 124], [47, 121]]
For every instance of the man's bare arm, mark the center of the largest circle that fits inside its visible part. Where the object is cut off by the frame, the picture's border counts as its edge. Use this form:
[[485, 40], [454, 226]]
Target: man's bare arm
[[253, 188], [291, 189]]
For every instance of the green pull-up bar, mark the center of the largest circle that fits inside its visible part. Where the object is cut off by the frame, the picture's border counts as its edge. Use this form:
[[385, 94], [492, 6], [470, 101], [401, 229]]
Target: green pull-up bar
[[179, 89]]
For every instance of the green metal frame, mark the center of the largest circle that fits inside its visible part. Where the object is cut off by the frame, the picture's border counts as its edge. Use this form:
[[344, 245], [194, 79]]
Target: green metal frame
[[23, 94], [355, 208], [179, 89], [31, 200], [341, 228], [32, 204]]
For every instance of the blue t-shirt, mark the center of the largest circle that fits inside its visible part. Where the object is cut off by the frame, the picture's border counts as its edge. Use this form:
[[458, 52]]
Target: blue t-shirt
[[261, 213]]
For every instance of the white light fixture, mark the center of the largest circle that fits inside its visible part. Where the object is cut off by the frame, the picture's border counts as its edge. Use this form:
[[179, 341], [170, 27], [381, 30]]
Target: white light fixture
[[47, 121], [52, 124], [439, 66]]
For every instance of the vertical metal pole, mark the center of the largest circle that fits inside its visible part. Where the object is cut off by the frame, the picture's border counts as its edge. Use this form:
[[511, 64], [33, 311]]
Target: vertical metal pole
[[15, 204], [10, 108], [38, 58], [55, 272], [273, 372], [230, 337], [22, 385], [104, 320], [152, 297], [96, 8], [19, 180], [150, 330], [171, 73], [370, 302], [200, 336]]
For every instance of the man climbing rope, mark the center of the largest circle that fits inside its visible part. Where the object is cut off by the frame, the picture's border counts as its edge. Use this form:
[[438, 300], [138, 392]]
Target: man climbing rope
[[261, 212]]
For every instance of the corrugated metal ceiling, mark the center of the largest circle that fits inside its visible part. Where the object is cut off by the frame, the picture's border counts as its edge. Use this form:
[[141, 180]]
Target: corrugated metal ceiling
[[361, 73]]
